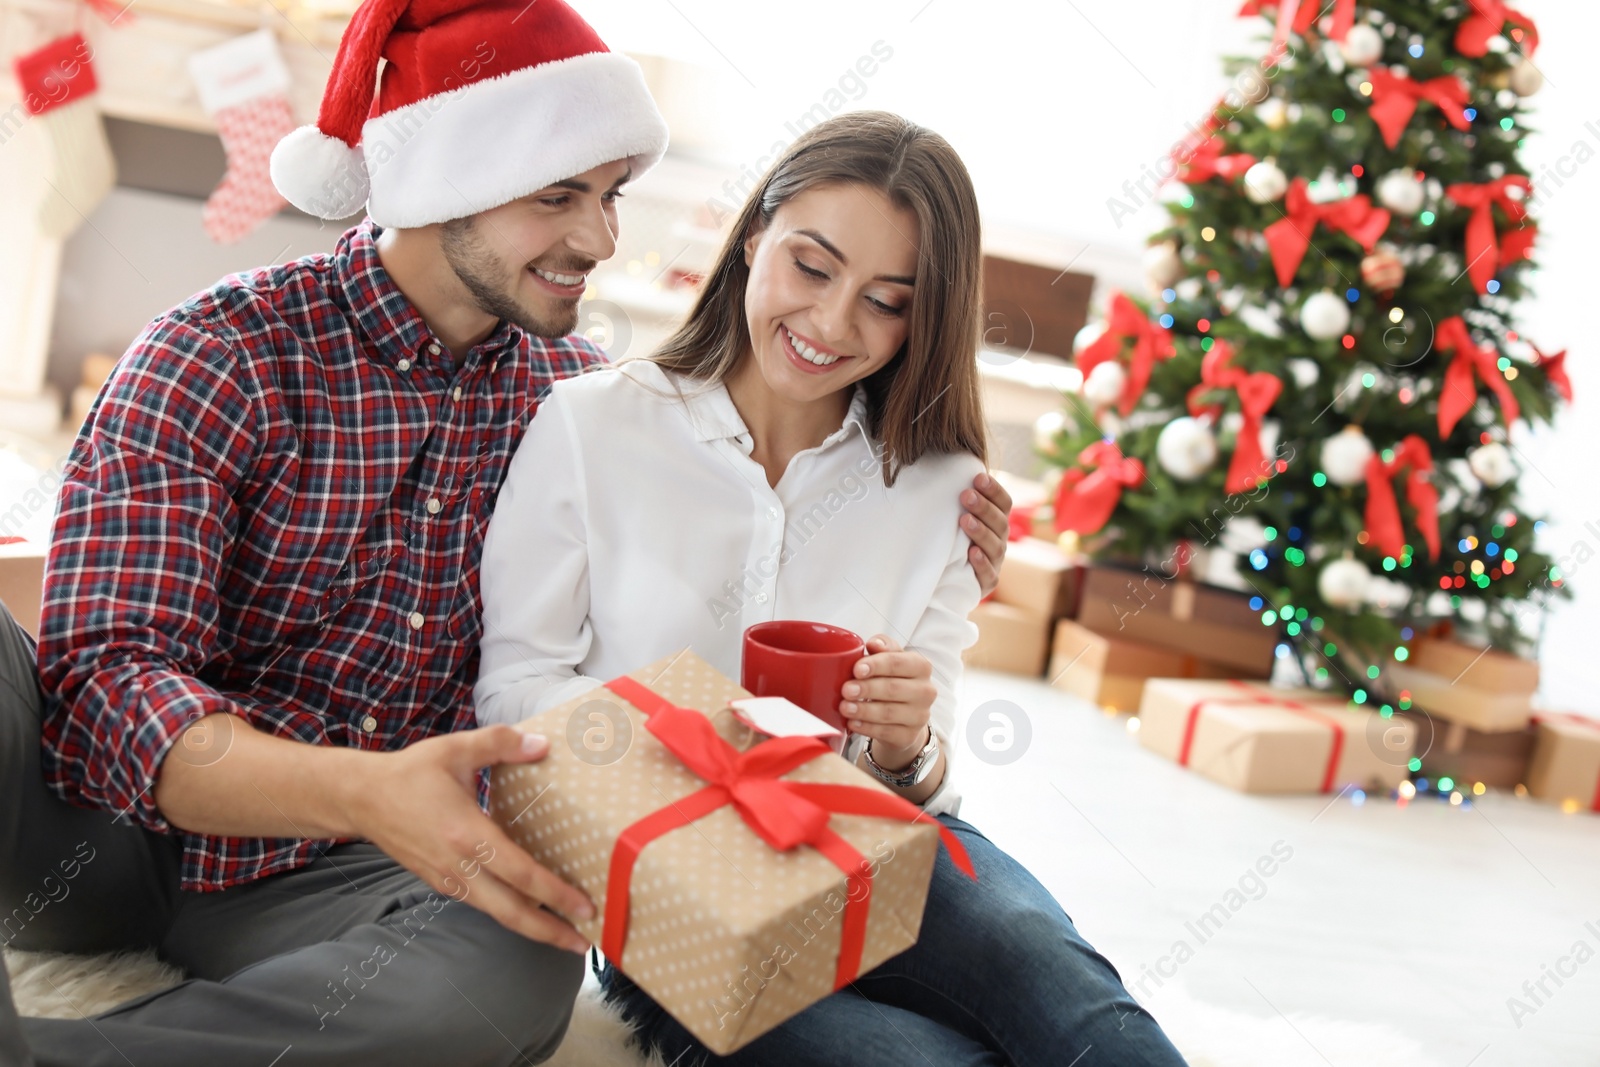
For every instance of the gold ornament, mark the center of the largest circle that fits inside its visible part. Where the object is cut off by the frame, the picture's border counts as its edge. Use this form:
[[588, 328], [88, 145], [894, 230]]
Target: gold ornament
[[1383, 271]]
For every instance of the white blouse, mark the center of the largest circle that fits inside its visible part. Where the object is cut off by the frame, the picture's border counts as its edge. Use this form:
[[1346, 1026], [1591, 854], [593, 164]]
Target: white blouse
[[633, 522]]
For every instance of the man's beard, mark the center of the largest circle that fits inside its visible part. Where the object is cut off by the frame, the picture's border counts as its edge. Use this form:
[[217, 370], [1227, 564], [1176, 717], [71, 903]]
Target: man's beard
[[476, 265]]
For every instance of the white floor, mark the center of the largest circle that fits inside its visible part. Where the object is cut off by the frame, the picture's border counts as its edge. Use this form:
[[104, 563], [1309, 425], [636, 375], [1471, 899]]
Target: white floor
[[1421, 920]]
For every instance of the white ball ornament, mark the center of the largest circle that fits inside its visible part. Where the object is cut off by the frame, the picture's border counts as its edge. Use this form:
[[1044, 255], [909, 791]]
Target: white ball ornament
[[1162, 266], [1362, 46], [1265, 182], [1345, 455], [1046, 428], [1526, 79], [1343, 583], [1104, 384], [1185, 448], [1273, 113], [1324, 315], [1497, 45], [1491, 464], [1087, 336], [1400, 192]]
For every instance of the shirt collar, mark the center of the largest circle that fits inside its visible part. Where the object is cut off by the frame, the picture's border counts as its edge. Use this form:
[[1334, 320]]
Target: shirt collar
[[714, 417], [386, 316]]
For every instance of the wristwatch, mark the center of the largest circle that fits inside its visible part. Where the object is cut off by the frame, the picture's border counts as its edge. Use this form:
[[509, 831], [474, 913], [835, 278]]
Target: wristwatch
[[914, 773]]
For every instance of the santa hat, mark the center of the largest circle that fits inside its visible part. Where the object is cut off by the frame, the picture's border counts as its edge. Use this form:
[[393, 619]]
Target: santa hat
[[482, 102]]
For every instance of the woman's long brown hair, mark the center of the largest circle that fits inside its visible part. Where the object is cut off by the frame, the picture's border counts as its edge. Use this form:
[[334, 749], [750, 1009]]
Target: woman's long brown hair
[[925, 399]]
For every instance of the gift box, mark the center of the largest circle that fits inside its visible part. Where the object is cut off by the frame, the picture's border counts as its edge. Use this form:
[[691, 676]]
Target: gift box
[[1010, 639], [1565, 768], [1261, 740], [1201, 620], [686, 829], [1040, 578], [1111, 672], [1482, 709], [1480, 668], [22, 580], [1447, 749]]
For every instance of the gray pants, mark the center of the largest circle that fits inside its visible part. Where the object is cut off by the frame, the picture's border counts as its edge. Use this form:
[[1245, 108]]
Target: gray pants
[[351, 960]]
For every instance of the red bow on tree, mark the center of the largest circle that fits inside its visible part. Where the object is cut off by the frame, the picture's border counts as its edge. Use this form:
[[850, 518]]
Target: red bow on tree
[[1298, 15], [1383, 511], [1487, 251], [1205, 160], [1257, 392], [1086, 499], [1150, 343], [1395, 98], [1488, 18], [1471, 363], [1555, 369], [1290, 236]]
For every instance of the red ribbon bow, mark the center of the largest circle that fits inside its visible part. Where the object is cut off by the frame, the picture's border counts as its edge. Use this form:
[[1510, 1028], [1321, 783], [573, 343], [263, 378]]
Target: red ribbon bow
[[1249, 695], [784, 814], [1297, 16], [1019, 522], [1150, 343], [1395, 98], [1460, 378], [1290, 236], [1487, 251], [1086, 500], [1488, 18], [1383, 510], [1205, 160], [1257, 392], [1555, 369]]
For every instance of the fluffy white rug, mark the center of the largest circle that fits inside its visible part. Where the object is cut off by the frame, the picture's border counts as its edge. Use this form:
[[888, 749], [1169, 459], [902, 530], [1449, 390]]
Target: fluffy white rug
[[67, 987]]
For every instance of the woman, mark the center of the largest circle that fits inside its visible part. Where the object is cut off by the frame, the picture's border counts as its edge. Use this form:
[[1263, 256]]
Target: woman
[[796, 450]]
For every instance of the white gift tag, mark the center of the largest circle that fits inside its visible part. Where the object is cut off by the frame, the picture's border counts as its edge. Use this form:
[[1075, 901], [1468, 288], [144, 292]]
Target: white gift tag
[[779, 717]]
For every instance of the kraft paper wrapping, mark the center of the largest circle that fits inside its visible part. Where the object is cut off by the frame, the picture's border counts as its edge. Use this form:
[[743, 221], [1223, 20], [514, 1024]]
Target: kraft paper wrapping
[[1566, 761], [1266, 747], [729, 935]]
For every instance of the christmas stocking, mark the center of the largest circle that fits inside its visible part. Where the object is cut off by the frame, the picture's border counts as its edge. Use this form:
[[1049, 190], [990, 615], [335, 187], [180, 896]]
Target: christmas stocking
[[243, 85], [58, 87]]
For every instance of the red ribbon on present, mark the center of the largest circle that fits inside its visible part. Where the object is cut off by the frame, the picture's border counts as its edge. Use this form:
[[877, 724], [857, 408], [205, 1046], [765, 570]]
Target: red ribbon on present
[[1086, 500], [1290, 236], [1207, 161], [1487, 250], [1581, 720], [1471, 363], [784, 814], [1150, 343], [1257, 392], [1555, 369], [1383, 510], [1019, 522], [1488, 18], [1250, 695], [1395, 98]]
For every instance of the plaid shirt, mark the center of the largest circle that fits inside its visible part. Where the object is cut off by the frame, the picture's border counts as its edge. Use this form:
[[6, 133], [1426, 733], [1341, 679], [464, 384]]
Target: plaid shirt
[[276, 510]]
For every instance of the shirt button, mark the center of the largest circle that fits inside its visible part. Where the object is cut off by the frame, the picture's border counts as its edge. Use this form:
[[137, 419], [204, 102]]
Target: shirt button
[[417, 620], [433, 350], [369, 724], [772, 513], [458, 393], [434, 505], [761, 598], [404, 364]]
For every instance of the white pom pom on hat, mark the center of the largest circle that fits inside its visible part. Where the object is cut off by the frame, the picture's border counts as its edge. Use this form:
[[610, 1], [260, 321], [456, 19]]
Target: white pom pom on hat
[[481, 102]]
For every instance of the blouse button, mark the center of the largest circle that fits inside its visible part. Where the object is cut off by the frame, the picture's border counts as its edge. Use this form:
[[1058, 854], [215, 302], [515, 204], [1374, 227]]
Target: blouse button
[[369, 724], [417, 620], [772, 513], [761, 598]]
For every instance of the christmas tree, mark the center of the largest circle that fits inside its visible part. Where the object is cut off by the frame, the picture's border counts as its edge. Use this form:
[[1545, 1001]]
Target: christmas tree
[[1328, 375]]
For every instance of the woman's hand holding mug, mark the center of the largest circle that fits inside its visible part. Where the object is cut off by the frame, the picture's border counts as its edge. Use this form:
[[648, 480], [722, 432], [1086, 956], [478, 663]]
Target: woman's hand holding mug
[[891, 701]]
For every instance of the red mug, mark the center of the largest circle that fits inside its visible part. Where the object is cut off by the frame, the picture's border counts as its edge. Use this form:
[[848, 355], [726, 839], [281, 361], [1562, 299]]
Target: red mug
[[807, 663]]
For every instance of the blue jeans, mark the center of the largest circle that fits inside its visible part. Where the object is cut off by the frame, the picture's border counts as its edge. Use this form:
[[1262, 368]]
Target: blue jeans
[[999, 976]]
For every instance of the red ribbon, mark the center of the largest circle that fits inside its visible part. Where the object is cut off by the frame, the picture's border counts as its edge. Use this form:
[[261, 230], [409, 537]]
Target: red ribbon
[[1086, 500], [1257, 392], [1555, 370], [1019, 523], [1488, 18], [1298, 15], [1249, 695], [1580, 720], [784, 814], [1290, 236], [1383, 510], [1207, 161], [1150, 343], [1461, 377], [1487, 251], [55, 74], [1395, 98]]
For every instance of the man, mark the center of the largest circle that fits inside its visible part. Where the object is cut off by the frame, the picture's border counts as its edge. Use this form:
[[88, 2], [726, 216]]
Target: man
[[259, 638]]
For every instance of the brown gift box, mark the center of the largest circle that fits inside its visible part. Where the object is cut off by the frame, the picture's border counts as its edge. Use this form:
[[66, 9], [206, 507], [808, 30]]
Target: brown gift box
[[22, 582], [1203, 620], [1475, 666], [1111, 672], [1039, 578], [1010, 639], [1566, 761], [1496, 758], [1249, 738], [1481, 709], [731, 936]]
